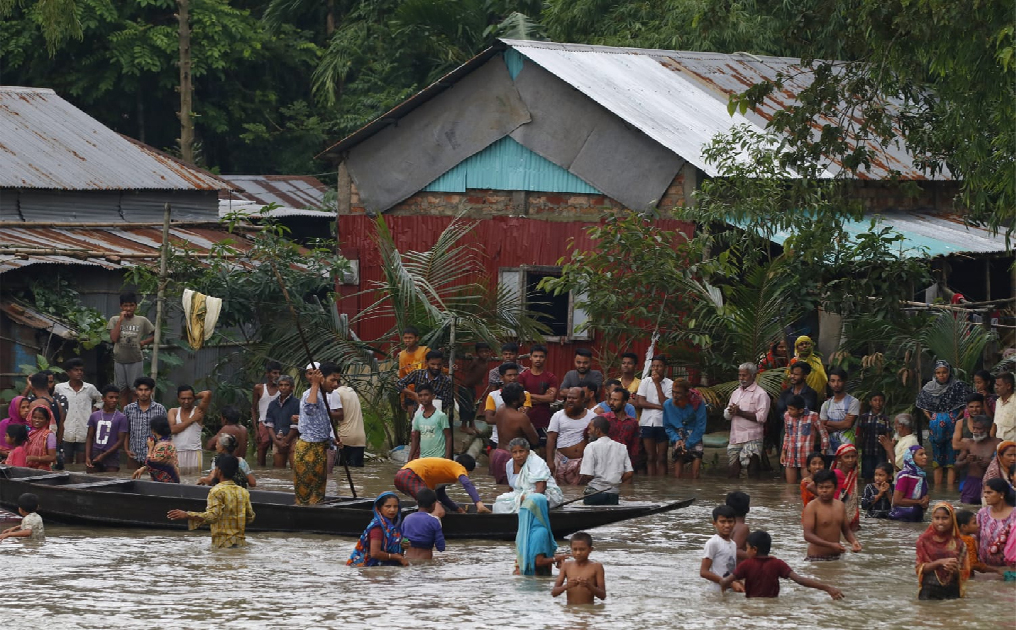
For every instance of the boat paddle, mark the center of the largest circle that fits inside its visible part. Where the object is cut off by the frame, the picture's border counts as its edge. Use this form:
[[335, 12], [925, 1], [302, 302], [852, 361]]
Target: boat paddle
[[311, 362], [591, 494]]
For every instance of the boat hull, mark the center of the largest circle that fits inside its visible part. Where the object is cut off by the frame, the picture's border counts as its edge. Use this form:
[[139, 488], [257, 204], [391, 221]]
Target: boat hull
[[88, 500]]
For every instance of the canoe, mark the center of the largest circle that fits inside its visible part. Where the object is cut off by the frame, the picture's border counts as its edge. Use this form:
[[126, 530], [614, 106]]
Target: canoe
[[94, 501]]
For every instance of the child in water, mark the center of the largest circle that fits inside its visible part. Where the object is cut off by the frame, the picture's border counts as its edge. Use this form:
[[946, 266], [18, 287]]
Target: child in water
[[969, 531], [720, 554], [740, 502], [877, 500], [423, 528], [581, 578], [825, 519], [761, 572], [816, 462], [31, 523]]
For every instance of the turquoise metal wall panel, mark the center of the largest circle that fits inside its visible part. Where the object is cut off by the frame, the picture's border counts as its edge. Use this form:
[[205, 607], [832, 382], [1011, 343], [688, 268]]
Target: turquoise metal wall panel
[[507, 165], [514, 60]]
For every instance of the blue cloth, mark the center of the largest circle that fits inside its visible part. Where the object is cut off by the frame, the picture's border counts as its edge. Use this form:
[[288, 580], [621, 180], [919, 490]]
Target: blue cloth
[[535, 536], [424, 531], [315, 424], [911, 480], [391, 531], [629, 409], [686, 423]]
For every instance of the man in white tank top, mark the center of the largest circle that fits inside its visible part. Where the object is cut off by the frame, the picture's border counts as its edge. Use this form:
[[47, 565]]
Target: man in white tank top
[[264, 394], [185, 422]]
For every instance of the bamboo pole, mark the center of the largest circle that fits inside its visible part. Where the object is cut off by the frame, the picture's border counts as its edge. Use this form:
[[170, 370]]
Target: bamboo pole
[[116, 224], [451, 375], [91, 253], [161, 299]]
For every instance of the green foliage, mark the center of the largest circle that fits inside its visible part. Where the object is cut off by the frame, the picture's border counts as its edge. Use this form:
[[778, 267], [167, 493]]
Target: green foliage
[[56, 297], [950, 336]]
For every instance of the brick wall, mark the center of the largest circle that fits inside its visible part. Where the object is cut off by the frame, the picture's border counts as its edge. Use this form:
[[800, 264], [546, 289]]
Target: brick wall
[[879, 196]]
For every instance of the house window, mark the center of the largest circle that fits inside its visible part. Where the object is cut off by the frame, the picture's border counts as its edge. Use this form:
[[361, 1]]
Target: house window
[[557, 312]]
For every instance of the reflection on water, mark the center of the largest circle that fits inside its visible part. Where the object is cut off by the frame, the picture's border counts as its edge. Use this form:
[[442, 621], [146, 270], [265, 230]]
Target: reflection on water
[[111, 578]]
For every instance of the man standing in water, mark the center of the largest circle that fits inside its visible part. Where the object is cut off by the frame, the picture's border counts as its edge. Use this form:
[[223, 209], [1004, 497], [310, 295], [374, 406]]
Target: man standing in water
[[310, 455], [264, 393], [140, 414], [747, 413], [82, 399], [283, 413], [565, 441], [185, 422], [511, 423]]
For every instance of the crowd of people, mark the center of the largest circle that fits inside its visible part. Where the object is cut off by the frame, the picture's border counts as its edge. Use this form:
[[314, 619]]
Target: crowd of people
[[585, 429]]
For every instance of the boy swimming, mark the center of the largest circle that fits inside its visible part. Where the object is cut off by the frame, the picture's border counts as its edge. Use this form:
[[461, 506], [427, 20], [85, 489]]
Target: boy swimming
[[580, 577], [825, 519], [423, 527], [761, 572]]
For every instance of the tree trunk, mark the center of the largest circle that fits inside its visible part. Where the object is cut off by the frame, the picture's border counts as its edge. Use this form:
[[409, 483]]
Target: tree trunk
[[330, 19], [186, 89]]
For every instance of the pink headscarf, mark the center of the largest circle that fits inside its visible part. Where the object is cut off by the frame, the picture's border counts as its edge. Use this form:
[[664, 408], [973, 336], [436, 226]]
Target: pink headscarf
[[13, 417]]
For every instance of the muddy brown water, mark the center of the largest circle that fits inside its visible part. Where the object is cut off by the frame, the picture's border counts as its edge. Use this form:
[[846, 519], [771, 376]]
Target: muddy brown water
[[118, 578]]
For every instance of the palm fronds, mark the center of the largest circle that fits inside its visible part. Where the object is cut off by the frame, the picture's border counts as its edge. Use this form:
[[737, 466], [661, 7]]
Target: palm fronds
[[952, 338]]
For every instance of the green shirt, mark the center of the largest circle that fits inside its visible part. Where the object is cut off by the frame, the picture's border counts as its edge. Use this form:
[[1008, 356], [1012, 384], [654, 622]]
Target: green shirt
[[432, 438]]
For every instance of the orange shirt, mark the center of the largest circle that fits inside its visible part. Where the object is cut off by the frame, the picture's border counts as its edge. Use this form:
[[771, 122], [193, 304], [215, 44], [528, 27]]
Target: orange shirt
[[437, 470], [412, 361]]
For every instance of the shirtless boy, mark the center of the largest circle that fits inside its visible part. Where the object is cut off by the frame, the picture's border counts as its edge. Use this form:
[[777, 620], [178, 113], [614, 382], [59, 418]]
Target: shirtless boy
[[582, 579], [825, 519], [976, 453], [511, 423]]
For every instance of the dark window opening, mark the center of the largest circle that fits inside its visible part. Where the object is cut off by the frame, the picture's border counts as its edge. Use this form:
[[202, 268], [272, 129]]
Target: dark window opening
[[552, 310]]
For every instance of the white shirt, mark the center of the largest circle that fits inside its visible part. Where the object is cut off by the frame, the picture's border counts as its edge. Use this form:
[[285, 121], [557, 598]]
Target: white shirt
[[190, 438], [606, 461], [351, 432], [569, 430], [902, 446], [647, 389], [723, 553], [1005, 418], [80, 405]]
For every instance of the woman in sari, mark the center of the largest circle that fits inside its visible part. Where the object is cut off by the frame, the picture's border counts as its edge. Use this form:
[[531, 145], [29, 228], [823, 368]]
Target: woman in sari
[[161, 463], [943, 565], [776, 358], [1001, 467], [845, 467], [910, 494], [943, 400], [535, 547], [17, 413], [381, 543], [41, 447], [527, 474], [804, 351], [995, 520]]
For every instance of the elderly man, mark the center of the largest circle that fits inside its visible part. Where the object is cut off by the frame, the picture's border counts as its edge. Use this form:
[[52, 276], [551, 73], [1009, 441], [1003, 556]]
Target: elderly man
[[1005, 408], [905, 438], [747, 412]]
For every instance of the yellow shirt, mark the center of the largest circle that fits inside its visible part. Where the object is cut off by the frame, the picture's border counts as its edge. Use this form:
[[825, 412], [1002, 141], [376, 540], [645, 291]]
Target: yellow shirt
[[437, 470], [412, 361], [228, 512], [495, 402]]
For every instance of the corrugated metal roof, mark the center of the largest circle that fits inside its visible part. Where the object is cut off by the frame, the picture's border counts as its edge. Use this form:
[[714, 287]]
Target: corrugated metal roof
[[680, 98], [28, 316], [507, 165], [125, 247], [47, 143], [253, 208], [288, 191], [926, 234]]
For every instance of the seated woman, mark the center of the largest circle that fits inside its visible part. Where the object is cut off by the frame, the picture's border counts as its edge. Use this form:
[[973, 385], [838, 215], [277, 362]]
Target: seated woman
[[910, 496], [527, 473], [381, 543], [995, 520], [227, 444], [943, 564], [161, 462], [535, 547]]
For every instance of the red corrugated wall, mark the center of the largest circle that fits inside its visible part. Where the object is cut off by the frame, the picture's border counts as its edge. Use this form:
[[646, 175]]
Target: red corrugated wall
[[504, 241]]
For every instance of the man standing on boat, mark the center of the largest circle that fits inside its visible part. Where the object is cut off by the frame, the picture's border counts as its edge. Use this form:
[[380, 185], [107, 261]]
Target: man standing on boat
[[310, 454]]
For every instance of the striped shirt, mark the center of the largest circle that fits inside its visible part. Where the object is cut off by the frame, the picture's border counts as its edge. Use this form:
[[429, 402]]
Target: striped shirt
[[140, 427], [227, 514]]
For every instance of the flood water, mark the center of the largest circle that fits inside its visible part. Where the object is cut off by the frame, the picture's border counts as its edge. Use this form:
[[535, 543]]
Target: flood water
[[114, 578]]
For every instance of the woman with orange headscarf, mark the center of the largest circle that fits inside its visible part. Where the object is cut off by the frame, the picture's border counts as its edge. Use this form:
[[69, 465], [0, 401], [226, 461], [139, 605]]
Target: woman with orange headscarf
[[943, 565]]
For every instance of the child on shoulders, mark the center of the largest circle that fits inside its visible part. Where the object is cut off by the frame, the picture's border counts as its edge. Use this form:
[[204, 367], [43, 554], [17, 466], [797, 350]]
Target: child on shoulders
[[877, 500], [580, 577], [31, 523], [720, 554], [423, 527], [761, 572]]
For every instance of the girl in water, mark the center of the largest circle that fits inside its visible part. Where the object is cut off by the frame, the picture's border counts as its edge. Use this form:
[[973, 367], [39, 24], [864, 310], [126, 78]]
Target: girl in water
[[381, 543], [943, 565]]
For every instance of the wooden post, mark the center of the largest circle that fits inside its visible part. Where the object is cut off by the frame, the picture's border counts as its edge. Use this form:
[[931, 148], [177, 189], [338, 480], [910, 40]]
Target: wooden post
[[160, 300], [451, 375], [186, 88]]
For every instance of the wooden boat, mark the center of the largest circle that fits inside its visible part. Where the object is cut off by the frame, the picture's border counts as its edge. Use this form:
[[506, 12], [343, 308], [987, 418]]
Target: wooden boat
[[88, 500]]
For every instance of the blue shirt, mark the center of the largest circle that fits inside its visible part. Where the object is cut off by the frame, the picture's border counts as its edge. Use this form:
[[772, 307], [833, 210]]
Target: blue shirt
[[629, 409], [315, 425], [424, 531], [684, 423]]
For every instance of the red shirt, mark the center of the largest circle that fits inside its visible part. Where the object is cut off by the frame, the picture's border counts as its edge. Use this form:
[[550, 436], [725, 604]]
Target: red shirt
[[540, 414], [762, 576], [626, 432]]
